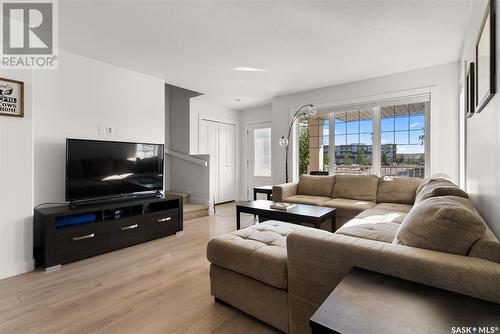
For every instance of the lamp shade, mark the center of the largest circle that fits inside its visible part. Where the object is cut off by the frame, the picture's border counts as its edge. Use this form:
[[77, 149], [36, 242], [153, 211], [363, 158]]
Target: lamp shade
[[313, 110], [283, 141]]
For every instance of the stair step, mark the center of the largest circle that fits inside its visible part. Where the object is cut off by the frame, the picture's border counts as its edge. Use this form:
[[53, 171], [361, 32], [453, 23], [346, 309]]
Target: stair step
[[185, 196], [195, 211]]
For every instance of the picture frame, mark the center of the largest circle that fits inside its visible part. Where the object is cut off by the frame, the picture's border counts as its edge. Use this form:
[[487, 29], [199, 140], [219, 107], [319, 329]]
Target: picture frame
[[470, 92], [485, 70], [11, 98]]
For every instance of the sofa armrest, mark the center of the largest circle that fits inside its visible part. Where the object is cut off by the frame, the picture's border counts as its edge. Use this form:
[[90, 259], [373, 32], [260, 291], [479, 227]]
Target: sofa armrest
[[318, 260], [282, 191]]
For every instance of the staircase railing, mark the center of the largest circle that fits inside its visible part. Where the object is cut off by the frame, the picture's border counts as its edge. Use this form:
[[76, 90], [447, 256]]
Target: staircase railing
[[186, 157]]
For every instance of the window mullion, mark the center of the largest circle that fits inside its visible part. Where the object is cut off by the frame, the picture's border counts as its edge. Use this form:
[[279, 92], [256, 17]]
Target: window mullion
[[376, 141]]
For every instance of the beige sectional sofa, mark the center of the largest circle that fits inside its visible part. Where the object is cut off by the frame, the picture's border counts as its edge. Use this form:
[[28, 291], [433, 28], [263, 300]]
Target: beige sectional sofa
[[424, 231], [350, 194]]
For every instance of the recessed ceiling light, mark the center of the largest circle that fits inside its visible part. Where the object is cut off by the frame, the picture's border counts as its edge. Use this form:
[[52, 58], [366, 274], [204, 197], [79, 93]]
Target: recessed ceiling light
[[249, 69], [237, 100]]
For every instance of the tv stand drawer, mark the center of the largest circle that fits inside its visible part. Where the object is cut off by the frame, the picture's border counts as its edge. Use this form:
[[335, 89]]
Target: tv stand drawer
[[78, 242], [127, 231], [163, 223]]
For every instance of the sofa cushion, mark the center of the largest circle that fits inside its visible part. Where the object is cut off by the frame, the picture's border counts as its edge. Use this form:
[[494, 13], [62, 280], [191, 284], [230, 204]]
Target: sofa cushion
[[310, 200], [382, 216], [359, 187], [394, 207], [372, 230], [487, 248], [316, 185], [437, 186], [397, 190], [349, 208], [445, 224], [257, 251]]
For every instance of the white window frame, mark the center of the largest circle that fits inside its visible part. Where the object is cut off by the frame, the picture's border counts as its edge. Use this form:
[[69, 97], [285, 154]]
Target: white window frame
[[426, 94]]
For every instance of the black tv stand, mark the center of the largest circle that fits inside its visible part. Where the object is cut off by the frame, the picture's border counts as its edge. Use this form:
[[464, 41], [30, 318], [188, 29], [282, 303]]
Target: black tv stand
[[116, 225], [105, 200]]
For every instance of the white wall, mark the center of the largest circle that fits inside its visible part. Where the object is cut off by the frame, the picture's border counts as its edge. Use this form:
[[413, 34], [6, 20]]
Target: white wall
[[443, 119], [16, 184], [72, 101], [483, 135], [249, 116]]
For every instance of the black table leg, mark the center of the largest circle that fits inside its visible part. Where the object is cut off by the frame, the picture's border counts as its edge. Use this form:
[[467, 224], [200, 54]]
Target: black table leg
[[254, 195], [238, 220], [334, 223], [269, 196]]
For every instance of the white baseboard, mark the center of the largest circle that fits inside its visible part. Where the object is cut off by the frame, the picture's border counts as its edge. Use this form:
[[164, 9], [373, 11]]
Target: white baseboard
[[14, 269]]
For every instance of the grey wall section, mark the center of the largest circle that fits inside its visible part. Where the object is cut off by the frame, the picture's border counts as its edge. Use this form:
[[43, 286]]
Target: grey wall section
[[482, 142], [177, 110]]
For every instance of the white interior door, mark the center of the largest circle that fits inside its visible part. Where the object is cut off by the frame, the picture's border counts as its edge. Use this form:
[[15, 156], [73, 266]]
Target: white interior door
[[226, 162], [259, 156], [209, 144]]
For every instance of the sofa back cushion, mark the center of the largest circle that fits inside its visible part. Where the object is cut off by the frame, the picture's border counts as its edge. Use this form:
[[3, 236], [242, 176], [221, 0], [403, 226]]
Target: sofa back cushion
[[437, 186], [362, 187], [446, 224], [315, 185], [397, 190]]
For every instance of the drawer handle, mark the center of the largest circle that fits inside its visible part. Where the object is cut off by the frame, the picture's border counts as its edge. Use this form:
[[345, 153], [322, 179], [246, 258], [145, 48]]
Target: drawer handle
[[83, 237], [130, 227], [162, 220]]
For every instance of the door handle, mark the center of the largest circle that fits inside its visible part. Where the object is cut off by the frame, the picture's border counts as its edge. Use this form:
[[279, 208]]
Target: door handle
[[162, 220], [130, 227], [83, 237]]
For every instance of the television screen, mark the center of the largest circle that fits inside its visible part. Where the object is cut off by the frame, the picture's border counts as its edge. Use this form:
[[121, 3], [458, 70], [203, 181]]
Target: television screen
[[107, 169]]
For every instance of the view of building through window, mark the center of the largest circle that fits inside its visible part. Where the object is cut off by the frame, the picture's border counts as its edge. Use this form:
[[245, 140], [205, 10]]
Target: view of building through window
[[401, 136], [403, 140], [353, 142]]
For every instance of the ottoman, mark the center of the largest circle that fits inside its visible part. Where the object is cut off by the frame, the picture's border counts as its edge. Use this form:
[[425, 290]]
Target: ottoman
[[248, 270]]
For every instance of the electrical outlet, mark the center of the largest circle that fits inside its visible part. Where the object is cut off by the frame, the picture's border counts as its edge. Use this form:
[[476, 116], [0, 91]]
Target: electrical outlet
[[109, 130]]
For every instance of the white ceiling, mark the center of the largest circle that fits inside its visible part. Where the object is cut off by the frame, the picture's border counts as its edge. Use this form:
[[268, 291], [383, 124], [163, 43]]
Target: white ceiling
[[302, 44]]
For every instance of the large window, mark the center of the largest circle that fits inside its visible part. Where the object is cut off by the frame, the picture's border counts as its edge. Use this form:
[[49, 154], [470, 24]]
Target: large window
[[403, 140], [314, 144], [353, 142], [262, 152], [387, 140]]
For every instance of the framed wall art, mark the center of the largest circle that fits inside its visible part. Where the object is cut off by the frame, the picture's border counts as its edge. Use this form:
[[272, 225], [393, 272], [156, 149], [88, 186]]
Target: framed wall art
[[11, 98], [485, 59], [470, 92]]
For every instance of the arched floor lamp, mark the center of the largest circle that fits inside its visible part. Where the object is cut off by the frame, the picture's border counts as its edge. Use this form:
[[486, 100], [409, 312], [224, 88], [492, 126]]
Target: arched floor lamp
[[305, 110]]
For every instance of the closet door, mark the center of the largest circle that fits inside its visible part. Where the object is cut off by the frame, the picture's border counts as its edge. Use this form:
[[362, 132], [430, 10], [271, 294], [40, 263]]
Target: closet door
[[226, 162], [209, 144]]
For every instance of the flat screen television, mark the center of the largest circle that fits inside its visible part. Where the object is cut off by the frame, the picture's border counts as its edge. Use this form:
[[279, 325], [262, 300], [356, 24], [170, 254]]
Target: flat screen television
[[106, 169]]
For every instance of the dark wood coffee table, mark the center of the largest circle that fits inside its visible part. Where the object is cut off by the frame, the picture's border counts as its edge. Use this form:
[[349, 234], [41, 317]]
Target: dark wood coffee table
[[299, 214], [370, 302]]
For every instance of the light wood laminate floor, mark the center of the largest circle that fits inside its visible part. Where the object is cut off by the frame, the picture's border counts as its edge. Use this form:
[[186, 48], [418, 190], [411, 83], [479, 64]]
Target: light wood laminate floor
[[161, 286]]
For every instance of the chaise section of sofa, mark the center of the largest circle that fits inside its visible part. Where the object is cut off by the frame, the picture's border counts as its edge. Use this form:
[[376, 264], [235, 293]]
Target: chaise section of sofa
[[249, 270]]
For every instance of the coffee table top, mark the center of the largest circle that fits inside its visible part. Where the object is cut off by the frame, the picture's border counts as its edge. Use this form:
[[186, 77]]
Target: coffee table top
[[264, 188], [298, 209]]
